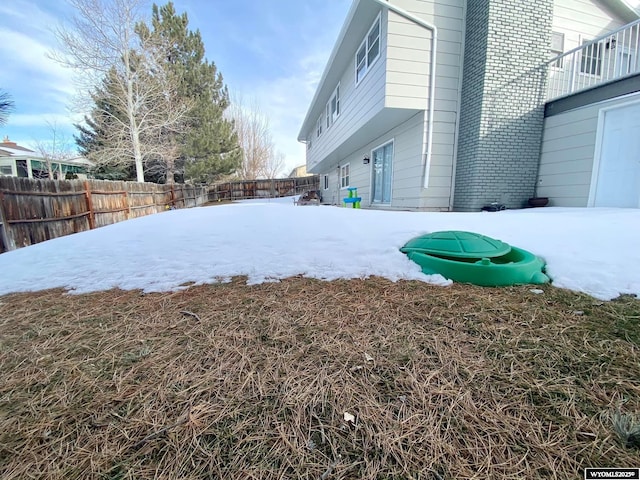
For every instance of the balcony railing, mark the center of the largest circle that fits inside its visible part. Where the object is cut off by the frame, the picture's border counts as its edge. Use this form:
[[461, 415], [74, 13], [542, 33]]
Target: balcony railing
[[607, 58]]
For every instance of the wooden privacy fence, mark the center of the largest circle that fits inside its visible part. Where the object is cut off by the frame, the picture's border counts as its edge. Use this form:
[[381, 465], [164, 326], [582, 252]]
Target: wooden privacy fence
[[271, 188], [32, 211]]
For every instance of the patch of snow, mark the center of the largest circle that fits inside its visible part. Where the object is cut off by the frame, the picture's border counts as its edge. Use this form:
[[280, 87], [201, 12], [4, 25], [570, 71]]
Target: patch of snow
[[595, 250]]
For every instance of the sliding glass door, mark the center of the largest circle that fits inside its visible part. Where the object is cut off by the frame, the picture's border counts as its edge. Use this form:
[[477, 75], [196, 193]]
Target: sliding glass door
[[382, 171]]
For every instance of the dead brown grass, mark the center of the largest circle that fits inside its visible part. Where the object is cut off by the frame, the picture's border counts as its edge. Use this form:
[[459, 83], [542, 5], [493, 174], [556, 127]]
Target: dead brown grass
[[234, 382]]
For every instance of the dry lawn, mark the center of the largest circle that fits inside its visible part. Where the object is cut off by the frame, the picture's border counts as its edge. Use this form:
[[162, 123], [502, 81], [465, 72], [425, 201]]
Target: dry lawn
[[241, 382]]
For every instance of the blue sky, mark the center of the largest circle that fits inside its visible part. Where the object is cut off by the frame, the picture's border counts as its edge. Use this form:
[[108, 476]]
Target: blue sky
[[270, 50]]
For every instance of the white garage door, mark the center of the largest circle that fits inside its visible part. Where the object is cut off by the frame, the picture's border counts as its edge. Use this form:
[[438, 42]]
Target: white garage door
[[618, 177]]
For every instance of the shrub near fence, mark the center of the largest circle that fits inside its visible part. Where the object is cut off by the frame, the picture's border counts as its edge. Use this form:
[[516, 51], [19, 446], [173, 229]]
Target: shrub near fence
[[32, 211]]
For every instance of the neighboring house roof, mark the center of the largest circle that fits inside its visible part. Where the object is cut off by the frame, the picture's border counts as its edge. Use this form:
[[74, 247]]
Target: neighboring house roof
[[17, 152], [8, 144], [12, 149], [80, 161]]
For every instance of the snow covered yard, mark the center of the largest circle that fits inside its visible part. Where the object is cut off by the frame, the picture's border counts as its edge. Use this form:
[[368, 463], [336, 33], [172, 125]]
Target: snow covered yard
[[595, 251], [304, 378]]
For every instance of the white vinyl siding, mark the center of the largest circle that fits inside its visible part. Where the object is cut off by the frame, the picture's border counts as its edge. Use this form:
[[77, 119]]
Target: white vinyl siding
[[557, 47], [408, 86], [357, 105], [568, 149], [331, 195], [581, 20], [392, 97]]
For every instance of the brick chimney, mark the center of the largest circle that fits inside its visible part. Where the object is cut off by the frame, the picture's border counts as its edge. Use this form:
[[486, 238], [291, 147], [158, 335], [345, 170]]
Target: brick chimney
[[7, 143], [502, 104]]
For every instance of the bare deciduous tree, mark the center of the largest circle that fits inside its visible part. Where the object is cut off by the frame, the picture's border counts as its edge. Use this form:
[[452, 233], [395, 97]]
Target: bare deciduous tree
[[57, 147], [260, 158], [274, 166], [132, 92]]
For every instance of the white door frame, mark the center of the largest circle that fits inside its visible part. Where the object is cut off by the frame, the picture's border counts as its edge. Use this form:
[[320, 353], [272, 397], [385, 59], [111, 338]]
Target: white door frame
[[595, 171], [392, 140]]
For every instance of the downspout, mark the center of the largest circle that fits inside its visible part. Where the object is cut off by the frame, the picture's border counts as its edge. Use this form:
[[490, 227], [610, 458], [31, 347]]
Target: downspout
[[427, 136]]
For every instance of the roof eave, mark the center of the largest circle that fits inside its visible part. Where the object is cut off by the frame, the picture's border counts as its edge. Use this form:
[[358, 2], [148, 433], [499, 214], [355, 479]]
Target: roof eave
[[624, 8], [306, 124]]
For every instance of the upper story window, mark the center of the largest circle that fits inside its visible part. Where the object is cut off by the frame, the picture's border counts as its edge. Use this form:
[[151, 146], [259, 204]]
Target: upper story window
[[557, 48], [309, 145], [591, 60], [332, 112], [335, 104], [369, 51], [319, 127]]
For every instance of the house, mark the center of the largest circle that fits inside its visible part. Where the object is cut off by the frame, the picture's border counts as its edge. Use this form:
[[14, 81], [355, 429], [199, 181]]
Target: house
[[299, 171], [451, 104], [18, 161]]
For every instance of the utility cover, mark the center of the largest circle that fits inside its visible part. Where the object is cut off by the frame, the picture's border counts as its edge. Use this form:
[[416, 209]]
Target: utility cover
[[457, 244]]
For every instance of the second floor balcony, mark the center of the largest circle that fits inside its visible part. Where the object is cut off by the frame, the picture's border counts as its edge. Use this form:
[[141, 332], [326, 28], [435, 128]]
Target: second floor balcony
[[599, 61]]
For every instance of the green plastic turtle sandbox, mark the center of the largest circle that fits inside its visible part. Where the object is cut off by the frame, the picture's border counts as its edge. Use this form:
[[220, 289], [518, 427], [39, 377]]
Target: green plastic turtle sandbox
[[469, 257]]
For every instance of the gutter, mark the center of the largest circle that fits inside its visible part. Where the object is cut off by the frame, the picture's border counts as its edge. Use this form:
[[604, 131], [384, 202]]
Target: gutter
[[427, 137]]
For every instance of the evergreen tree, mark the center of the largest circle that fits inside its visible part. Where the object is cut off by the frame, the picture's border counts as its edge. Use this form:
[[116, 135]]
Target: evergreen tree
[[95, 138], [6, 105], [209, 145]]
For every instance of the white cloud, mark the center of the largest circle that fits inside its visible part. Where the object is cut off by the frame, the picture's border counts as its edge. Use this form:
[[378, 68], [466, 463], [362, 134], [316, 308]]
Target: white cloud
[[30, 64], [27, 13], [286, 100], [44, 119]]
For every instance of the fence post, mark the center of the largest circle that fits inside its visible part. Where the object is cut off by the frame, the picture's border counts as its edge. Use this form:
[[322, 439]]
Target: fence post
[[87, 196], [127, 205], [173, 197], [7, 238]]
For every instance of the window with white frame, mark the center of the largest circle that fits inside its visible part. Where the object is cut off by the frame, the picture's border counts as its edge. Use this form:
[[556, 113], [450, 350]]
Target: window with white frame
[[344, 176], [557, 48], [326, 182], [328, 116], [332, 111], [6, 170], [309, 144], [591, 60], [319, 127], [335, 104], [369, 51]]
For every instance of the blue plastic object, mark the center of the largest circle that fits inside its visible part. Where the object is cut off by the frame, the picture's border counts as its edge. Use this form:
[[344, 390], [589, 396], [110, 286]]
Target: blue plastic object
[[352, 198]]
